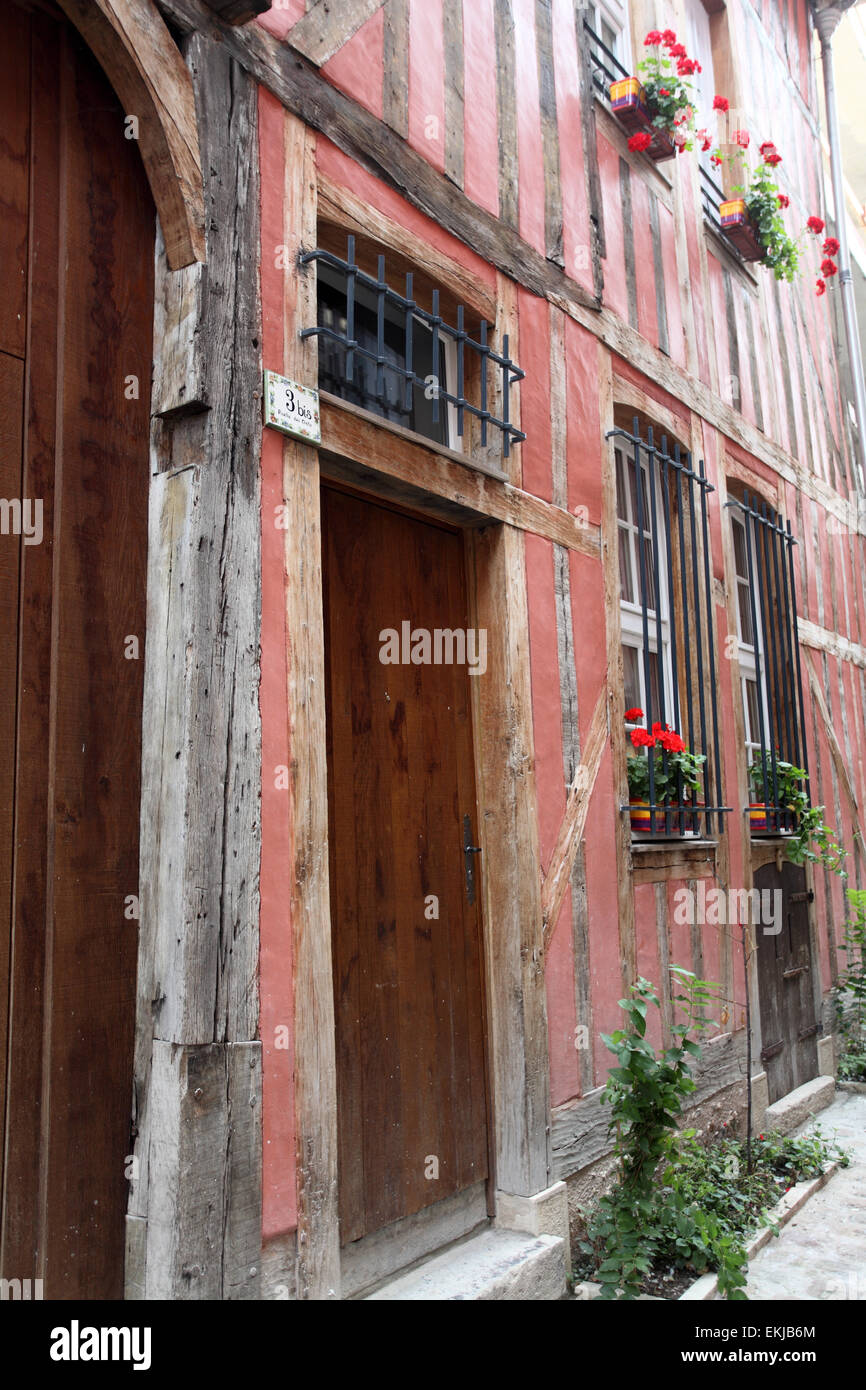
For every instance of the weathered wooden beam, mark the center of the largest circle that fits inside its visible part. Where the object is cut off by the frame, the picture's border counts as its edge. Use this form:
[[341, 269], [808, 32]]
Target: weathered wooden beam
[[380, 447], [839, 761], [146, 70], [377, 148], [328, 24], [238, 11], [195, 1197], [558, 873]]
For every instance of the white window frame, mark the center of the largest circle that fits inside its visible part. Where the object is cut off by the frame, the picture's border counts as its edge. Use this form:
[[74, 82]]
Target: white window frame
[[746, 651], [614, 13], [631, 614]]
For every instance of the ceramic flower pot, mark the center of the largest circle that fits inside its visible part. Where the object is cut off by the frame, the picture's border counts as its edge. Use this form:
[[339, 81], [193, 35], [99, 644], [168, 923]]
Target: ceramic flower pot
[[740, 230], [763, 819]]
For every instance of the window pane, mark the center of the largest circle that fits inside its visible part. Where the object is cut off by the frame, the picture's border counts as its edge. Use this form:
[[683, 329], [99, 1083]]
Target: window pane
[[753, 731], [631, 673], [747, 634], [626, 587], [740, 561], [621, 509]]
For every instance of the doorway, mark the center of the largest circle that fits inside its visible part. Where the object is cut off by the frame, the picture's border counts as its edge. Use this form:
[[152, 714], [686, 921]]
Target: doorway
[[412, 1090], [789, 1023], [76, 312]]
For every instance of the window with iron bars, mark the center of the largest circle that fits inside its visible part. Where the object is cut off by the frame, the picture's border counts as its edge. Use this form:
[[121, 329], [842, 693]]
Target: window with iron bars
[[768, 651], [385, 352], [666, 614]]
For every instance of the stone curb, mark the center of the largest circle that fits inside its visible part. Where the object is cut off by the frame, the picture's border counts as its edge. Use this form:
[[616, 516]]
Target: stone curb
[[857, 1088], [706, 1287]]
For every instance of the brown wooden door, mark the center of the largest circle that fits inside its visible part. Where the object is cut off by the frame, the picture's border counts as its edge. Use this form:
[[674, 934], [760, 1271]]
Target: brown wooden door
[[76, 306], [789, 1026], [407, 983]]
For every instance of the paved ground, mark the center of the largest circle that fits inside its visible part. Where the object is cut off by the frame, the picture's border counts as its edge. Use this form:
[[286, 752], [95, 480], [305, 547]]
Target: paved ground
[[821, 1253]]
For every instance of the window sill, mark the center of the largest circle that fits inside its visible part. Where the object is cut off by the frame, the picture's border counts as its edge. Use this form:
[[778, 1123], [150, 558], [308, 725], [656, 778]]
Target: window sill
[[655, 861]]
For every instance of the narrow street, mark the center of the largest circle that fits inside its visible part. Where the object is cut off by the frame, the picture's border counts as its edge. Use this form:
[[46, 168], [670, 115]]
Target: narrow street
[[820, 1253]]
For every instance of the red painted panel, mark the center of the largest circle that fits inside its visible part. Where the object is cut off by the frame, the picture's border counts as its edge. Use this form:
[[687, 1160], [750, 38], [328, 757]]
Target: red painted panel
[[577, 251], [615, 296], [584, 425], [356, 68], [427, 82], [529, 146], [480, 149], [676, 331], [279, 19], [648, 964], [535, 394], [645, 281]]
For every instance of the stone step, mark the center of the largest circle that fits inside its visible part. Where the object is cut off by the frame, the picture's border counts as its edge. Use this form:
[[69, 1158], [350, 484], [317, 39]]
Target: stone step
[[498, 1264]]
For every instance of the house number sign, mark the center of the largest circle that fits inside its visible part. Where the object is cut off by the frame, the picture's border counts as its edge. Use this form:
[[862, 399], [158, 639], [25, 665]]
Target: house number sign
[[292, 408]]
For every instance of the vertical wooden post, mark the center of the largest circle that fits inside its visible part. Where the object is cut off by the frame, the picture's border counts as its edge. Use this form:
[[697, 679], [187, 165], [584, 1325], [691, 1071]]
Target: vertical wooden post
[[315, 1055], [194, 1222]]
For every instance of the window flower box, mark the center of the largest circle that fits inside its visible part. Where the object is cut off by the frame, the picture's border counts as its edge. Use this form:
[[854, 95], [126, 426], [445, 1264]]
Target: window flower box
[[740, 230], [630, 106]]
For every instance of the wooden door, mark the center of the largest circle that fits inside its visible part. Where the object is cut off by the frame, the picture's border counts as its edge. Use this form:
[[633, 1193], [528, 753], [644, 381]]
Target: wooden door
[[412, 1100], [76, 306], [789, 1025]]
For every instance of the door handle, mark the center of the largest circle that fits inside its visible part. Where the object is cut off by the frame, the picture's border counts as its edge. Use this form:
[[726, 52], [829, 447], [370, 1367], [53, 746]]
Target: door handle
[[469, 852]]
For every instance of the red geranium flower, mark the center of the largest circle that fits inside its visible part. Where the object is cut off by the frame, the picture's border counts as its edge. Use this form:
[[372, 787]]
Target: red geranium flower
[[653, 37], [715, 159], [830, 247], [815, 225], [641, 140], [742, 138], [828, 267], [632, 714], [767, 147], [686, 66], [772, 160], [663, 92], [671, 742], [703, 136], [678, 51], [669, 37], [784, 200], [820, 287], [721, 104], [641, 739]]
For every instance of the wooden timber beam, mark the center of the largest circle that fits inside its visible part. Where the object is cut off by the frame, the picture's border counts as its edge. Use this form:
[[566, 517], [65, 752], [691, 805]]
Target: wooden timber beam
[[328, 24], [238, 11], [434, 475], [143, 65], [558, 875], [835, 750]]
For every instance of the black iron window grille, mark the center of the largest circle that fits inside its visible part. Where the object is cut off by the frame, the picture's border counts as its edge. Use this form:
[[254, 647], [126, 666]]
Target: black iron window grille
[[712, 194], [393, 354], [604, 64], [768, 651], [674, 622]]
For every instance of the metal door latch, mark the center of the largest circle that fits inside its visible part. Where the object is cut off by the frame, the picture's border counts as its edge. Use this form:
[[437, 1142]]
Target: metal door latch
[[469, 850]]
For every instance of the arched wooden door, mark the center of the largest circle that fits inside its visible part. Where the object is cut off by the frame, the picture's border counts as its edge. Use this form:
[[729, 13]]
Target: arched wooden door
[[76, 305]]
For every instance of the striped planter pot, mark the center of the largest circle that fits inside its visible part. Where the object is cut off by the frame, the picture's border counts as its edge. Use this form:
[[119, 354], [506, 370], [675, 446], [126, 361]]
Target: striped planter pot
[[740, 230], [639, 814], [763, 819]]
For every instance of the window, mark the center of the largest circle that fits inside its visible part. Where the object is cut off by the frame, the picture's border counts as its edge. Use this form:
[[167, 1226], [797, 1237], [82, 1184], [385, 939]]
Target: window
[[608, 20], [631, 543], [391, 354], [388, 396], [666, 615], [767, 647]]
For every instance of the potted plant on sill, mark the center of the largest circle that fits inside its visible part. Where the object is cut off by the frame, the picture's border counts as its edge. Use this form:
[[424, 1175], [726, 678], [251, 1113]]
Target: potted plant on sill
[[753, 221], [676, 775], [808, 839], [657, 109]]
